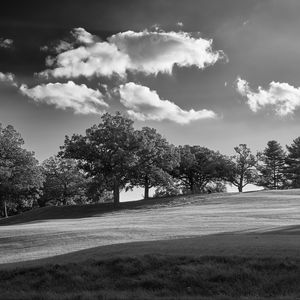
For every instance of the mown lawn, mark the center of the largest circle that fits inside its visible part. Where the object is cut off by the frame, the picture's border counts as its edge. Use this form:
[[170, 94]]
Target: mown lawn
[[157, 277], [52, 231]]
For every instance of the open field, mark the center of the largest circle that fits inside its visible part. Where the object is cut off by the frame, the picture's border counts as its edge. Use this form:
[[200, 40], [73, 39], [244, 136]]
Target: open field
[[56, 231], [238, 246]]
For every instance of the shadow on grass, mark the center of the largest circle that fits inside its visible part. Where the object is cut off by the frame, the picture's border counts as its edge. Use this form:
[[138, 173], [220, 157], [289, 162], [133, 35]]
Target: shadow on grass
[[92, 210], [157, 277]]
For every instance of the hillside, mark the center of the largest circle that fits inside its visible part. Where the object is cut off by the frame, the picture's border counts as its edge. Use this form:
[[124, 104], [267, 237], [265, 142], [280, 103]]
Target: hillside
[[56, 231]]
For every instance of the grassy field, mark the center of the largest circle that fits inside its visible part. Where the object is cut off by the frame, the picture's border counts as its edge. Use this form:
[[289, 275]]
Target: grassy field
[[216, 247], [55, 231], [157, 277]]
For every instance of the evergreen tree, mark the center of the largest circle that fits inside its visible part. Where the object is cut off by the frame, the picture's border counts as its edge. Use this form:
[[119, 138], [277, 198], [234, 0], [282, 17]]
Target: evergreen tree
[[292, 169], [272, 169]]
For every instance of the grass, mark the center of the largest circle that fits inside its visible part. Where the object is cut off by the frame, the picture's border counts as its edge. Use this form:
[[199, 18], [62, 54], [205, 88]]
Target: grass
[[157, 277], [239, 246], [56, 231]]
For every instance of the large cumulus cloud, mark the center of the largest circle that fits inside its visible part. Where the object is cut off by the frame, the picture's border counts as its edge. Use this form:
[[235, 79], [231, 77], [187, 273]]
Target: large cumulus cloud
[[79, 98], [144, 104], [149, 52], [282, 97]]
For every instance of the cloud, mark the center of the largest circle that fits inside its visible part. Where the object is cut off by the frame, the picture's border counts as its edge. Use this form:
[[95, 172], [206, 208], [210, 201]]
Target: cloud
[[59, 47], [144, 104], [79, 37], [283, 97], [98, 59], [154, 52], [80, 98], [149, 52], [6, 43], [84, 37], [8, 78]]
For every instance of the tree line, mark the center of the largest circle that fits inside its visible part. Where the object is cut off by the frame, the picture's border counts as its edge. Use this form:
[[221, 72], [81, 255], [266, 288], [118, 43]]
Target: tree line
[[113, 156]]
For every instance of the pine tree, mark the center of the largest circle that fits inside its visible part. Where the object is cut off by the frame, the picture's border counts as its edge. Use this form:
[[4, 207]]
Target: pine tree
[[292, 169], [272, 169]]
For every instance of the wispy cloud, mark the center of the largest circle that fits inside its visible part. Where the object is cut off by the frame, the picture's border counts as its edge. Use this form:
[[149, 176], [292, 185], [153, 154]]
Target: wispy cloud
[[8, 78], [6, 43], [79, 98], [149, 52], [144, 104], [283, 97]]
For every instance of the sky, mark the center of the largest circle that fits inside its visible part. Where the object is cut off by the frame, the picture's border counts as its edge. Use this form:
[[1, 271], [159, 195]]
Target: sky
[[212, 73]]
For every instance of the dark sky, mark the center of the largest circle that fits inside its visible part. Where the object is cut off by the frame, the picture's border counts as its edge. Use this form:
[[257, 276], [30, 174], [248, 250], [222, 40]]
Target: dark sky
[[260, 39]]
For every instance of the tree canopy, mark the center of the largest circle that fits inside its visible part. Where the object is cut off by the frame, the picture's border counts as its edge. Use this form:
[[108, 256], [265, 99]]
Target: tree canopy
[[113, 155], [156, 158], [107, 152], [243, 167], [20, 173], [64, 181], [292, 169], [272, 168], [198, 166]]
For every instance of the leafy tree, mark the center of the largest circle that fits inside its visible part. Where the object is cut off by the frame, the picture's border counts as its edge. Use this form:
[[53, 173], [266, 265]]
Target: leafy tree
[[107, 152], [272, 169], [200, 166], [171, 188], [215, 187], [156, 158], [20, 174], [292, 169], [243, 167], [65, 182]]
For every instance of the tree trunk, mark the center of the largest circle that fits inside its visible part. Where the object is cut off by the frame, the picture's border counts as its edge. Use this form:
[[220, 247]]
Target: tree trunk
[[116, 193], [192, 187], [146, 195], [5, 209], [64, 196], [64, 200], [240, 186]]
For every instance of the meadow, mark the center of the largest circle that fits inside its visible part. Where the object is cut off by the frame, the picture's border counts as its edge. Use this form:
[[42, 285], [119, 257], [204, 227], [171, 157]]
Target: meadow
[[220, 246]]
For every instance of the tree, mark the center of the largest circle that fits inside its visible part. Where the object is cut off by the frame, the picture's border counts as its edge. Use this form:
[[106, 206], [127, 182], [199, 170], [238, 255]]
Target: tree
[[292, 169], [169, 189], [156, 158], [272, 169], [200, 166], [107, 152], [20, 173], [243, 167], [64, 181]]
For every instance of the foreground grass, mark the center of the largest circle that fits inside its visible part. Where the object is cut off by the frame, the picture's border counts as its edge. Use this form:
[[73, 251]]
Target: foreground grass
[[157, 277]]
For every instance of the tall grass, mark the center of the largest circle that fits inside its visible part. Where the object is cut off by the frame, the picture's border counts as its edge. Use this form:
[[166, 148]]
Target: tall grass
[[157, 277]]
